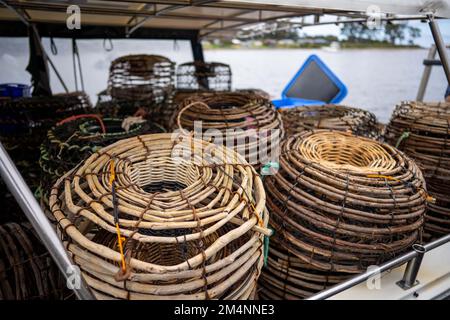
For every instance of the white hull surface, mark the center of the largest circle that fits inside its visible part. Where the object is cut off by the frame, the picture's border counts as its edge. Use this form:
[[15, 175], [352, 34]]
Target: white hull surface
[[433, 277]]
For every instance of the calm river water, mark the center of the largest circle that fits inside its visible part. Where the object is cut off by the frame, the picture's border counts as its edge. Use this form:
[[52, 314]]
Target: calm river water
[[376, 79]]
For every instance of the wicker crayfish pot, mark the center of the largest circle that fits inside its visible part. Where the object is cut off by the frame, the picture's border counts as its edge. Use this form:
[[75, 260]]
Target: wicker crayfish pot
[[338, 204], [152, 105], [25, 121], [192, 223], [74, 139], [245, 122], [172, 104], [136, 77], [204, 76], [27, 271], [194, 78], [334, 117], [23, 125], [258, 92], [422, 130], [138, 82]]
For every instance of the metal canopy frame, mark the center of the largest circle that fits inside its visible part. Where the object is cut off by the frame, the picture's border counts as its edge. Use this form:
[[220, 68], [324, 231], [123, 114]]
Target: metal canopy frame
[[212, 18]]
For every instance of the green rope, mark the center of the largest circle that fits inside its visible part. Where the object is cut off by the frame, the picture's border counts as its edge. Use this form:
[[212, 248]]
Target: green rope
[[265, 170], [405, 135], [266, 249]]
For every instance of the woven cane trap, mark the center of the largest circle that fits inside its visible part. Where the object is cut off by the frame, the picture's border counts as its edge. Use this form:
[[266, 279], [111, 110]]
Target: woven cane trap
[[422, 130], [193, 221], [152, 105], [140, 77], [26, 269], [24, 123], [22, 115], [71, 141], [204, 76], [172, 104], [258, 92], [244, 121], [338, 204], [333, 117]]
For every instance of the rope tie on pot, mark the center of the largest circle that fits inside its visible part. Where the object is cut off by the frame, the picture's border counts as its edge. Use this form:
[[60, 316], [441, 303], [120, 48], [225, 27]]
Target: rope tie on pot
[[421, 130], [339, 203], [193, 221], [334, 117]]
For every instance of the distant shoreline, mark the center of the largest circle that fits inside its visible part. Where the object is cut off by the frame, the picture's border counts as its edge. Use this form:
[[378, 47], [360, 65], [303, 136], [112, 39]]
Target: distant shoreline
[[212, 48]]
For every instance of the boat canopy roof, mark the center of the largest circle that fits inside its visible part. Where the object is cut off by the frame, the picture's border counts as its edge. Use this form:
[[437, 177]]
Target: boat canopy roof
[[217, 19]]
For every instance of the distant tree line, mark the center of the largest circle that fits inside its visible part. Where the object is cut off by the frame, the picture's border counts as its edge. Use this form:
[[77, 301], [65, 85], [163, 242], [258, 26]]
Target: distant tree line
[[394, 33]]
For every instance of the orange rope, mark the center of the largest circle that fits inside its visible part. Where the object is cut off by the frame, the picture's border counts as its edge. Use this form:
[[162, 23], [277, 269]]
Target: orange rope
[[383, 176], [80, 116], [120, 239], [429, 198], [112, 173]]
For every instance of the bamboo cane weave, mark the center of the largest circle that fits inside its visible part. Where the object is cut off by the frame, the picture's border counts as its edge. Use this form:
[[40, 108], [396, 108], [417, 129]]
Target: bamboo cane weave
[[421, 130], [172, 104], [338, 204], [258, 92], [23, 125], [69, 143], [153, 105], [246, 121], [194, 226], [199, 75], [140, 77], [20, 116], [27, 271], [334, 117]]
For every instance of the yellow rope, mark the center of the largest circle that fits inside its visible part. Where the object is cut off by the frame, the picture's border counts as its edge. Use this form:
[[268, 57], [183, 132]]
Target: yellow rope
[[112, 173], [120, 239], [429, 198], [383, 176]]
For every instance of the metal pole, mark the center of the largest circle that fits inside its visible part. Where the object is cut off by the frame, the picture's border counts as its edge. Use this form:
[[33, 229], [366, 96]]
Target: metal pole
[[39, 221], [384, 267], [412, 269], [440, 46], [197, 53], [426, 75]]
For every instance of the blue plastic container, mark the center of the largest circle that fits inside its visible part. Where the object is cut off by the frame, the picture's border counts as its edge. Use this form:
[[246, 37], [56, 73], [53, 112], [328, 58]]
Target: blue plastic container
[[15, 90], [313, 84]]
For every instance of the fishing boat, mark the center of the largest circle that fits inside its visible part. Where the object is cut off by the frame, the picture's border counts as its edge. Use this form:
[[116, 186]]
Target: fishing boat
[[423, 272]]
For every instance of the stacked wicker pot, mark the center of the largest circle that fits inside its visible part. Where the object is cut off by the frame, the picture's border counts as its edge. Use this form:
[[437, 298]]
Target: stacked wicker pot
[[23, 125], [27, 271], [193, 222], [194, 78], [135, 77], [198, 75], [338, 204], [248, 123], [333, 117], [74, 139], [422, 130], [138, 82]]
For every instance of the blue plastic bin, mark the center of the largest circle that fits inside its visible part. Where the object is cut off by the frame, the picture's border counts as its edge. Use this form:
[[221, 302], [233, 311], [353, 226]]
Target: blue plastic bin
[[15, 90], [313, 84]]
